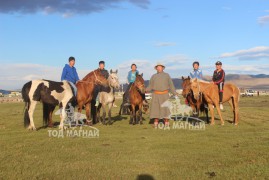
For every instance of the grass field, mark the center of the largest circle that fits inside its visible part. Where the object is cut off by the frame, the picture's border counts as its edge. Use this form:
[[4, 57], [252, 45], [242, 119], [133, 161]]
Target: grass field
[[124, 151]]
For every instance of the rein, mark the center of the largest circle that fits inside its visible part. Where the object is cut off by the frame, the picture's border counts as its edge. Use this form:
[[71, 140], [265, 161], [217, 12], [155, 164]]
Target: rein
[[96, 78]]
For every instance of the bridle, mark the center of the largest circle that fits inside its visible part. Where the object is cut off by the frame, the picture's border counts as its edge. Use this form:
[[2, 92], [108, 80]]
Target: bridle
[[96, 78]]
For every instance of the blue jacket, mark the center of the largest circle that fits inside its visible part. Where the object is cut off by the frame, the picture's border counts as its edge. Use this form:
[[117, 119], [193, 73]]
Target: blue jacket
[[130, 80], [196, 73], [70, 74]]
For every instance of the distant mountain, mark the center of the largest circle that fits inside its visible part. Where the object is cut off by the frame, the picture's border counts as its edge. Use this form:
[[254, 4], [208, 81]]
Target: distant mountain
[[260, 76], [257, 82]]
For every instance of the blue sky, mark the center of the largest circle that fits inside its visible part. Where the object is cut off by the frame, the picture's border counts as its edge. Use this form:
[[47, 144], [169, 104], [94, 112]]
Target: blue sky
[[37, 37]]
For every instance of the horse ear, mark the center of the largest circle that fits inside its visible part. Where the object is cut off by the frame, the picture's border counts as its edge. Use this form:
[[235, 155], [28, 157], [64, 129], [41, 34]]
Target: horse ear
[[182, 78], [116, 71], [110, 71], [189, 77], [141, 75]]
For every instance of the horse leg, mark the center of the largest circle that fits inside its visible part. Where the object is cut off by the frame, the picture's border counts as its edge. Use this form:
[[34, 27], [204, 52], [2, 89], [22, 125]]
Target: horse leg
[[88, 114], [104, 114], [236, 109], [61, 126], [206, 113], [120, 108], [140, 113], [31, 115], [133, 114], [219, 112], [212, 114], [50, 124], [98, 113], [233, 109], [109, 113]]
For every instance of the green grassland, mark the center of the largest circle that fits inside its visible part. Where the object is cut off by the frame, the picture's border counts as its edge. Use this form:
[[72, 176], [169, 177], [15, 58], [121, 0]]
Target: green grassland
[[124, 151]]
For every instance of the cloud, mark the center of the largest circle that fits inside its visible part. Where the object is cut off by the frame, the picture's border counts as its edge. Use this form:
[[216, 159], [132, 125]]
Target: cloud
[[164, 44], [226, 8], [13, 76], [263, 20], [256, 53], [65, 7]]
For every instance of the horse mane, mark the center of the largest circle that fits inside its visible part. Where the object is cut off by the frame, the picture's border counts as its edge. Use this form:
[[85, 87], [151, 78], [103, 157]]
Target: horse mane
[[200, 80], [90, 74]]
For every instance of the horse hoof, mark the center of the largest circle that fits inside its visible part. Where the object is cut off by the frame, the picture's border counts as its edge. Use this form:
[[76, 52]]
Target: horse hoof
[[211, 124], [222, 124], [141, 123]]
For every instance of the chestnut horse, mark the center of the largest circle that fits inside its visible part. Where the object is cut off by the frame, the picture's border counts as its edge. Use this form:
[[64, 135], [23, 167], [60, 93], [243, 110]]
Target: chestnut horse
[[196, 105], [137, 91], [210, 91], [85, 89]]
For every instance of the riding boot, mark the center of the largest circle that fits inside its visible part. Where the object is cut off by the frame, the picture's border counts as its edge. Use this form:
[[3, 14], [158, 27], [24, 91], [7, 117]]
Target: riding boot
[[166, 122], [127, 99], [156, 122]]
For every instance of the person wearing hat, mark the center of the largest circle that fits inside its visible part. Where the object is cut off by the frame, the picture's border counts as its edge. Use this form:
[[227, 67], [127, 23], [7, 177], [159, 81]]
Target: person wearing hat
[[218, 79], [160, 83], [70, 73], [196, 72], [99, 88]]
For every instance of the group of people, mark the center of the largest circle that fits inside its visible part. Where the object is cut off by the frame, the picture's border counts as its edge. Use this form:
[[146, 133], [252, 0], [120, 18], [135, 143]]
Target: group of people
[[218, 77], [160, 84]]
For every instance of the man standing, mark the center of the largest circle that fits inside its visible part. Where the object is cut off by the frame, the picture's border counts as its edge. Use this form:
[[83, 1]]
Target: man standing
[[160, 83], [70, 73]]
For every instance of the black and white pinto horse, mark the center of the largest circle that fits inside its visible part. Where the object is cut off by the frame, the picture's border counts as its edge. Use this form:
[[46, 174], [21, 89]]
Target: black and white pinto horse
[[51, 94]]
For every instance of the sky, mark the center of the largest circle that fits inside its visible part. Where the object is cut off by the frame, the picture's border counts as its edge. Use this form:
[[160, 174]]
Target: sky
[[37, 37]]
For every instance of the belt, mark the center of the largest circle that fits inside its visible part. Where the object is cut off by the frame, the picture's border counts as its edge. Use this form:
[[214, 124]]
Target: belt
[[161, 92]]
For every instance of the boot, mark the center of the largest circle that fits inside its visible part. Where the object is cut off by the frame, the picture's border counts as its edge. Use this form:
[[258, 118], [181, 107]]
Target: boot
[[166, 122], [156, 122], [220, 100]]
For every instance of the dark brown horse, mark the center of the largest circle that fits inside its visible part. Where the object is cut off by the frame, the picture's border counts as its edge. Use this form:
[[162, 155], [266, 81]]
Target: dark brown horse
[[137, 91], [85, 89], [196, 105]]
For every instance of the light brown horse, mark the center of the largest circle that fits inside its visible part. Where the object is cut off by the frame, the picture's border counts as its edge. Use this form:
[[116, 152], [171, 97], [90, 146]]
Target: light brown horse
[[210, 91], [137, 92], [85, 89], [196, 105]]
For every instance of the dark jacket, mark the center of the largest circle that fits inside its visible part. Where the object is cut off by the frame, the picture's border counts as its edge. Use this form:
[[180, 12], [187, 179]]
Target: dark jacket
[[218, 77], [105, 73]]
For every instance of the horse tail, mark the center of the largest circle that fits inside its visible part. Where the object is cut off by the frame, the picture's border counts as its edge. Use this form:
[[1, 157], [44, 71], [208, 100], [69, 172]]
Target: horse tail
[[25, 95]]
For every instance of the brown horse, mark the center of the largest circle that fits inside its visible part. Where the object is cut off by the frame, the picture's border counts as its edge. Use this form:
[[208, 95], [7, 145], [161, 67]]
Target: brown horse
[[196, 105], [210, 91], [137, 91], [85, 89]]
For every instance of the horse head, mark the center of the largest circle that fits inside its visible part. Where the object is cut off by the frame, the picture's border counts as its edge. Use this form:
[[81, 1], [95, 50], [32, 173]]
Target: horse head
[[195, 87], [113, 79], [140, 83], [186, 85]]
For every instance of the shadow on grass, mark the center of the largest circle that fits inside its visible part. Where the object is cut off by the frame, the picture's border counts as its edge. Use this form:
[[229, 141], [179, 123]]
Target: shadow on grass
[[144, 177]]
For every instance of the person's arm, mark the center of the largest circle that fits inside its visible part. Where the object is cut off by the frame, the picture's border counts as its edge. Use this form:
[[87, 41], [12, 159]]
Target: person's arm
[[222, 74], [150, 86], [201, 74], [76, 75], [63, 74], [171, 86], [128, 78]]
